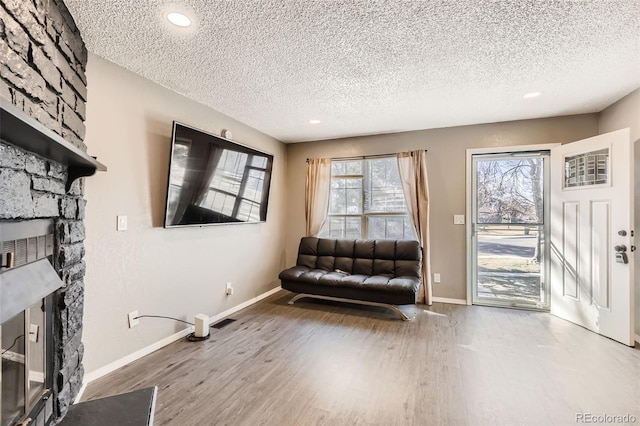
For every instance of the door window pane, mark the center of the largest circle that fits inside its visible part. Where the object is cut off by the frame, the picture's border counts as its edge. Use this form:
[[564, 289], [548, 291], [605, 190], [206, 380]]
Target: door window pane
[[510, 191], [591, 168]]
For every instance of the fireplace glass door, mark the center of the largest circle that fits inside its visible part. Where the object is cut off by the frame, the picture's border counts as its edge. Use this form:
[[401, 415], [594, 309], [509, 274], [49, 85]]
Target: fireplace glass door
[[22, 377]]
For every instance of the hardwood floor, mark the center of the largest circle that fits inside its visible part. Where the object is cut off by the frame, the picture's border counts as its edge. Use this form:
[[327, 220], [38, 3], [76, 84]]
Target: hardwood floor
[[318, 363]]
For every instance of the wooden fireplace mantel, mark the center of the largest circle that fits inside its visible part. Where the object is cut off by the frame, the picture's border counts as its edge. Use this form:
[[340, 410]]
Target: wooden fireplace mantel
[[20, 130]]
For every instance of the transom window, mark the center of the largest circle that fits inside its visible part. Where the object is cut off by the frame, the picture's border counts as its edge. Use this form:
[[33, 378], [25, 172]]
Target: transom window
[[367, 201]]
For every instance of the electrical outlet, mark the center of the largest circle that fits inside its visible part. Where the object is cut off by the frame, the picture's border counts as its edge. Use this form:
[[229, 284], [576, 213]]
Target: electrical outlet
[[229, 289], [34, 329], [133, 319], [458, 219], [436, 278]]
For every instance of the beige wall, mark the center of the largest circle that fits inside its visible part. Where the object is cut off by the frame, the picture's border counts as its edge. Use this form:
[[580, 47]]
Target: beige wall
[[626, 113], [623, 113], [446, 167], [174, 272]]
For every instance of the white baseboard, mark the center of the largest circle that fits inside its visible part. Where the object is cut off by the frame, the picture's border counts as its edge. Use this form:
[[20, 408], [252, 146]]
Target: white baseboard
[[80, 392], [449, 301], [638, 338], [103, 371]]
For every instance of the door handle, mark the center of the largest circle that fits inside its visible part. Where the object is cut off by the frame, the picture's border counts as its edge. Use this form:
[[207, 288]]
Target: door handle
[[621, 254]]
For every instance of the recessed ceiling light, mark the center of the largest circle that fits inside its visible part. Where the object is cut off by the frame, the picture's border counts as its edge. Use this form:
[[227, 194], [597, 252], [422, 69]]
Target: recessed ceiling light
[[314, 121], [179, 19], [532, 95]]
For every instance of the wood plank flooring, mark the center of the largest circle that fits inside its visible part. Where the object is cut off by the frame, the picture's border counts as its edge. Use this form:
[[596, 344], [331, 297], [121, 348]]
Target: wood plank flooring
[[322, 363]]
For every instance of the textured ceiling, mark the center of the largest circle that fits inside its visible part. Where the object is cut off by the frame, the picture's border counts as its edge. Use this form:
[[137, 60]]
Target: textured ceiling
[[367, 67]]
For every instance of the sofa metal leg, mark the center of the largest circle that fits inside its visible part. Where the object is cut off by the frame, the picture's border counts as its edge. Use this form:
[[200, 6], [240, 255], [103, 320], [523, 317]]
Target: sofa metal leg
[[397, 310], [394, 308], [298, 297]]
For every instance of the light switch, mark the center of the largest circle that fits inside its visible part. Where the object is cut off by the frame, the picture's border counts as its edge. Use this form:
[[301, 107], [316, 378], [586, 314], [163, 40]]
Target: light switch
[[458, 219], [122, 223]]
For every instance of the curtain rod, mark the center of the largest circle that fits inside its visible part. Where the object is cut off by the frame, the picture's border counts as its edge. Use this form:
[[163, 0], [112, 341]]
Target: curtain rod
[[363, 157]]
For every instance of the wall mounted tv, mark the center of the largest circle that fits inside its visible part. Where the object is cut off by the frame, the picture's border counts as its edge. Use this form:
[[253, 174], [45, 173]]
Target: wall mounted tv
[[213, 180]]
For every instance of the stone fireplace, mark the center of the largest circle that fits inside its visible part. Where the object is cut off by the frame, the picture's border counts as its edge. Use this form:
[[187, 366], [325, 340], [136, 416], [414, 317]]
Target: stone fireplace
[[42, 153]]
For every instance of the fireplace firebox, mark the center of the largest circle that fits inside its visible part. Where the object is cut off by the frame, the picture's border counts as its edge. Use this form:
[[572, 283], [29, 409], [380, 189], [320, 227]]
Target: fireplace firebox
[[27, 282]]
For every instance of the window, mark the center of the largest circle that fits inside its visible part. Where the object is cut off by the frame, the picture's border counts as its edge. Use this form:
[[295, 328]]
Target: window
[[367, 201]]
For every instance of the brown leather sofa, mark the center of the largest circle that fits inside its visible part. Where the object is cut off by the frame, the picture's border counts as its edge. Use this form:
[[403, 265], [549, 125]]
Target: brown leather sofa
[[371, 272]]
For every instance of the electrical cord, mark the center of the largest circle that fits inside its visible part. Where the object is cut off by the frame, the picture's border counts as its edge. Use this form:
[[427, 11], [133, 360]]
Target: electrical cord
[[161, 316], [13, 344], [191, 337]]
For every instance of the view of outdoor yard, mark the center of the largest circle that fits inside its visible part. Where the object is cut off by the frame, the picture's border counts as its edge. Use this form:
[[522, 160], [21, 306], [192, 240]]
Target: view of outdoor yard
[[507, 266]]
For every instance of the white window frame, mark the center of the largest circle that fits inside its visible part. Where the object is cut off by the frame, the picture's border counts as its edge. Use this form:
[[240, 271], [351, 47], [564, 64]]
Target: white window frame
[[364, 216]]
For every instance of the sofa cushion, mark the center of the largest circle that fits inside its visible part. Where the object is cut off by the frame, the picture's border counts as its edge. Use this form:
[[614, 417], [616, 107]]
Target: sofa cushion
[[308, 260], [308, 252], [345, 248], [383, 267], [385, 249], [344, 264], [362, 266], [293, 273], [326, 247], [364, 249], [332, 278], [408, 250]]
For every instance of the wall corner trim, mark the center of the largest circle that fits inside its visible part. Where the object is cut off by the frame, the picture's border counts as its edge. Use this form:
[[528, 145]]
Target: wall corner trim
[[119, 363]]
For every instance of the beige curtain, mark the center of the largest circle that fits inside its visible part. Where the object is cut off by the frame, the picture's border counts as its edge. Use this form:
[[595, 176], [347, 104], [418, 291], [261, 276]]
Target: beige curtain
[[413, 174], [318, 185]]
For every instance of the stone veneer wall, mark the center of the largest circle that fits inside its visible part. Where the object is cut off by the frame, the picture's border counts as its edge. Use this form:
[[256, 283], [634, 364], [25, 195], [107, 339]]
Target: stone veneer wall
[[42, 71]]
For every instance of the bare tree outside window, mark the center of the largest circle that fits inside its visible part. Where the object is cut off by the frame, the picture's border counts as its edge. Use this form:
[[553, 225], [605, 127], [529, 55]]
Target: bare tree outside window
[[510, 191]]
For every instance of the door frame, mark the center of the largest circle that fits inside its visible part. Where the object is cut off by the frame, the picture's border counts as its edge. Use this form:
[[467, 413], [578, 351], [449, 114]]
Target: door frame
[[468, 193]]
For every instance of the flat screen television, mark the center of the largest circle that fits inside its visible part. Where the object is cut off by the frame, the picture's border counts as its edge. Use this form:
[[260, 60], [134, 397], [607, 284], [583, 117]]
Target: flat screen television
[[213, 180]]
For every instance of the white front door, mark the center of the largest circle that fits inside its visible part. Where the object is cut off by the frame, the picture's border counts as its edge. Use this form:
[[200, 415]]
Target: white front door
[[592, 234]]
